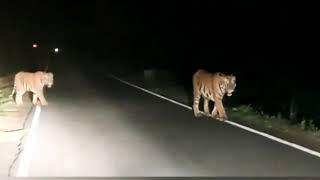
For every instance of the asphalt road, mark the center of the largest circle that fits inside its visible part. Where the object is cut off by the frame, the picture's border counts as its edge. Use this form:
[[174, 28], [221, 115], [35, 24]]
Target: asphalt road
[[101, 127]]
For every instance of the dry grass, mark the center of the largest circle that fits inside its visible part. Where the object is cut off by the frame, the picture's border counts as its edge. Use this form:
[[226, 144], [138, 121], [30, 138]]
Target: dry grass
[[12, 117]]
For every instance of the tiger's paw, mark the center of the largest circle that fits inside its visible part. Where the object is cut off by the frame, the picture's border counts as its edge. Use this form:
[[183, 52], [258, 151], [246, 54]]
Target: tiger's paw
[[214, 116], [19, 103], [223, 118], [36, 103], [44, 104], [197, 114]]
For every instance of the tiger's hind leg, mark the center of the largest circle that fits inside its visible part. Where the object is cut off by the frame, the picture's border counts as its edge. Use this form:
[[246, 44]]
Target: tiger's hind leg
[[206, 106], [196, 100], [214, 112], [19, 96]]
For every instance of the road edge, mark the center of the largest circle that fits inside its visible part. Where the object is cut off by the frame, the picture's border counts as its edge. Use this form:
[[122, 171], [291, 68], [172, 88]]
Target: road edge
[[20, 165]]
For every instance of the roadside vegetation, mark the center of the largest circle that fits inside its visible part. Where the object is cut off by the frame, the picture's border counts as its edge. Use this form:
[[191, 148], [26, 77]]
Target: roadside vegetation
[[12, 117]]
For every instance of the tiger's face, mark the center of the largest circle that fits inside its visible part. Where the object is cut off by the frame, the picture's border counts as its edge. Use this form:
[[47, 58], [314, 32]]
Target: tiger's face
[[48, 79], [231, 84]]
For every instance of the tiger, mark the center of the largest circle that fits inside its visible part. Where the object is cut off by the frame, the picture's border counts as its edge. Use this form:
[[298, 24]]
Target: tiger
[[32, 82], [212, 86]]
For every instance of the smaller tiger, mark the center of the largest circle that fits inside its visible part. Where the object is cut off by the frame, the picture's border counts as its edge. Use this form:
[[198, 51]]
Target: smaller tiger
[[32, 82], [212, 86]]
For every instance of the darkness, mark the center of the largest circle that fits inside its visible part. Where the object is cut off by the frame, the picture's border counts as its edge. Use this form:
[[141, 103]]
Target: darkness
[[262, 43]]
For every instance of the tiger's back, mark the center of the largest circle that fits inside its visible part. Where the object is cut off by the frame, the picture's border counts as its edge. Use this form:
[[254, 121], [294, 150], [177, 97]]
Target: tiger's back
[[27, 81]]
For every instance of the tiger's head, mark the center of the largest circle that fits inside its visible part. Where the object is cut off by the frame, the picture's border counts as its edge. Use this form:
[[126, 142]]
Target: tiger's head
[[231, 84], [47, 79]]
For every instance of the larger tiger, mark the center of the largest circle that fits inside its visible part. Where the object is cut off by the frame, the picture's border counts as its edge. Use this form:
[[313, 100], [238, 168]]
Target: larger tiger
[[32, 82], [212, 86]]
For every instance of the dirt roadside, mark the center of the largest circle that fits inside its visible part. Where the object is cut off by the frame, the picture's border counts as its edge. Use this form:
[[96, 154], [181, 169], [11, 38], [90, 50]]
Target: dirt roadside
[[12, 124]]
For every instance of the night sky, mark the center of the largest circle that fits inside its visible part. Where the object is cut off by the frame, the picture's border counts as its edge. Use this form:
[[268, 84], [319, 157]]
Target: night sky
[[262, 43], [161, 29]]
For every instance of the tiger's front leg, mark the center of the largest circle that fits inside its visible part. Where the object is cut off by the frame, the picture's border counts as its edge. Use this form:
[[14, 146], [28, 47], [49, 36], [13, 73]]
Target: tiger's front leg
[[222, 113], [206, 106], [42, 99], [34, 99]]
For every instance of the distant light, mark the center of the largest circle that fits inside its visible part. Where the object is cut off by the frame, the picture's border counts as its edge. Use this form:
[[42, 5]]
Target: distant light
[[56, 50], [34, 45]]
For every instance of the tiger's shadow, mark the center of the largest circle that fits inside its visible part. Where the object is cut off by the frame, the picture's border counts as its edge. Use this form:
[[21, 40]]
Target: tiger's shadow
[[27, 98]]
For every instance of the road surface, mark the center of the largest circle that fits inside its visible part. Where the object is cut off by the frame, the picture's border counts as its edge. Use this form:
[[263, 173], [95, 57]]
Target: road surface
[[101, 127]]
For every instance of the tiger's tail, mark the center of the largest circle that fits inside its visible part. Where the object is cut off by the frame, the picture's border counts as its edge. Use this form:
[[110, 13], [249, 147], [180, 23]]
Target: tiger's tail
[[14, 88]]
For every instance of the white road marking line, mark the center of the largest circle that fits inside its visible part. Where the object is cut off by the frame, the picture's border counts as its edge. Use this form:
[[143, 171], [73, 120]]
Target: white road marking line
[[23, 166], [296, 146], [150, 92]]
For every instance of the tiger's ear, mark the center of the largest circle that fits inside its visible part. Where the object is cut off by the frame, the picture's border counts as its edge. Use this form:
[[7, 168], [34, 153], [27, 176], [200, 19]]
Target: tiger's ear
[[233, 79]]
